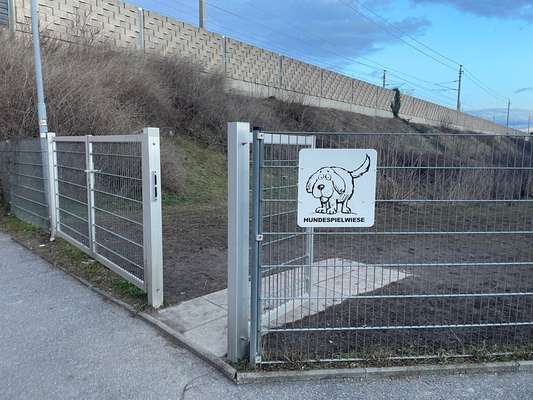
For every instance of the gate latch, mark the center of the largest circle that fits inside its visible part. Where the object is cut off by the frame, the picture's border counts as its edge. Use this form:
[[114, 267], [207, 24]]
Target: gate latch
[[155, 184]]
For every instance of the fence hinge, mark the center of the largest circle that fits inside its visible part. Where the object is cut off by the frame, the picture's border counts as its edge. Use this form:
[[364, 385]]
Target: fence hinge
[[260, 135], [259, 238]]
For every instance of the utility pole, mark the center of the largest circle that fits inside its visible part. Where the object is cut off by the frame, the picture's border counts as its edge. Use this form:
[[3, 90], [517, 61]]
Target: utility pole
[[384, 78], [459, 88], [201, 9], [508, 111]]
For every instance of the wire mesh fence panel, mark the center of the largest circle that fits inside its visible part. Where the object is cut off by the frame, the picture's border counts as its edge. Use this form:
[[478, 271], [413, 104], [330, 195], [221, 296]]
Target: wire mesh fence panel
[[117, 204], [71, 190], [446, 270], [289, 251], [23, 181]]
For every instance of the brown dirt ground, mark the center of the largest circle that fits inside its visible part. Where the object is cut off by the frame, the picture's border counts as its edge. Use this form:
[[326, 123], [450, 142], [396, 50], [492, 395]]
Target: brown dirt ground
[[427, 280], [194, 251]]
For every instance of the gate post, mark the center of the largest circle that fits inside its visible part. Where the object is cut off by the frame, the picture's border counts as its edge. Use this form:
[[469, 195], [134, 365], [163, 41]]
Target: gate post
[[238, 238], [152, 220], [257, 242], [310, 245]]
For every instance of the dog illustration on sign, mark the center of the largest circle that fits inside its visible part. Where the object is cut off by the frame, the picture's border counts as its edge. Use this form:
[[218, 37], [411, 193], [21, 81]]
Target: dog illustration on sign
[[335, 186]]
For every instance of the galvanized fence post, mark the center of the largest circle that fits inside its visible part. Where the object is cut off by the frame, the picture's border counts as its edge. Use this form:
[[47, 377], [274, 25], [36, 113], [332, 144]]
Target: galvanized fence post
[[310, 246], [152, 219], [255, 273], [238, 238], [52, 188], [89, 165]]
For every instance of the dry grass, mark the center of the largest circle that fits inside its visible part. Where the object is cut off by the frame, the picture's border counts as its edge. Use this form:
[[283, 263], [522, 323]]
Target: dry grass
[[98, 90]]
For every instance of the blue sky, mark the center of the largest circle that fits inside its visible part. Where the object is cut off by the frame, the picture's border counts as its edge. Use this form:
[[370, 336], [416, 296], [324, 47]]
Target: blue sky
[[491, 38]]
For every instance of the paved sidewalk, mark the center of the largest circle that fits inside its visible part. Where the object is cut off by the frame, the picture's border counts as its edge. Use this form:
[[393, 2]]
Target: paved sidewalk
[[59, 340]]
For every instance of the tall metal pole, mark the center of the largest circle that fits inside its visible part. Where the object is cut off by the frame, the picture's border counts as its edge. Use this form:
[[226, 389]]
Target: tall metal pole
[[201, 9], [508, 111], [459, 88], [238, 239], [384, 78], [41, 106], [46, 157], [528, 122]]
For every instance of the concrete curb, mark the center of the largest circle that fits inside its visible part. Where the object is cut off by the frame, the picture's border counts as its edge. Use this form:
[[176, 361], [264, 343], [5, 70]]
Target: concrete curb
[[242, 378], [387, 372]]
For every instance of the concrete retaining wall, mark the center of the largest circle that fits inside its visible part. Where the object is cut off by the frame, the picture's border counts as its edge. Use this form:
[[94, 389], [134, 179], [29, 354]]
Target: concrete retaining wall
[[249, 69]]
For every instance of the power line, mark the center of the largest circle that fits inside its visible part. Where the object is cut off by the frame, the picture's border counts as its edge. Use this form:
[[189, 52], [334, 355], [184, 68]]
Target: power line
[[447, 100], [350, 6], [371, 64], [388, 24], [349, 59], [337, 54], [482, 86], [406, 34]]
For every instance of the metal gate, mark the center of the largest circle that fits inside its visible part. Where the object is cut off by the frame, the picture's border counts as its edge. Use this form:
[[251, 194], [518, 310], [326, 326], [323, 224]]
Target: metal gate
[[106, 201], [446, 271]]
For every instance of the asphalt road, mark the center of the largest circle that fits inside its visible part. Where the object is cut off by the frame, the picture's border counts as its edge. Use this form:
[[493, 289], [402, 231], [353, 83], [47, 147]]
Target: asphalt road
[[59, 340]]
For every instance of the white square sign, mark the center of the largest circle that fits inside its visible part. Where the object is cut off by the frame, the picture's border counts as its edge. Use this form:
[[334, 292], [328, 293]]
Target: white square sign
[[337, 187]]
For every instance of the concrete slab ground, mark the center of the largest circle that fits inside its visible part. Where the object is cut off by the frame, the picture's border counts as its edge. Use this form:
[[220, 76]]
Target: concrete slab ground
[[59, 340], [204, 320]]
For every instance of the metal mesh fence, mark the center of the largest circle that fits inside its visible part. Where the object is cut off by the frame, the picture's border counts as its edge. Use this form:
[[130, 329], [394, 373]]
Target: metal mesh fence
[[71, 194], [118, 204], [100, 200], [446, 270], [105, 194], [23, 181]]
